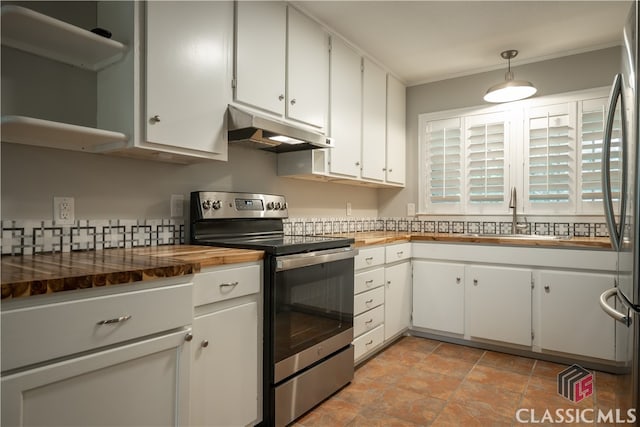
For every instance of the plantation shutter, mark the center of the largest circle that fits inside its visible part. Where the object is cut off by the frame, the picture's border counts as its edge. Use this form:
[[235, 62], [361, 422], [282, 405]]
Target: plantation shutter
[[550, 157], [485, 159], [593, 115], [444, 163]]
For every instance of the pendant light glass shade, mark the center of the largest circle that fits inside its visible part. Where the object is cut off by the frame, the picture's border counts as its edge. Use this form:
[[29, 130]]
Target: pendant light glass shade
[[510, 89]]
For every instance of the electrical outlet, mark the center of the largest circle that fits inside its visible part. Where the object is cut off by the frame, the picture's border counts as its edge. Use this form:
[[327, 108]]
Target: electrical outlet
[[64, 210], [411, 209], [177, 205], [348, 208]]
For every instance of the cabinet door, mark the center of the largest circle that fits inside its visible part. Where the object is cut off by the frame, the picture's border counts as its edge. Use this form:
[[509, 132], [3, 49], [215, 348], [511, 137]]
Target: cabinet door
[[374, 120], [396, 125], [498, 304], [261, 37], [307, 71], [397, 299], [438, 296], [188, 72], [224, 374], [139, 384], [571, 320], [346, 109]]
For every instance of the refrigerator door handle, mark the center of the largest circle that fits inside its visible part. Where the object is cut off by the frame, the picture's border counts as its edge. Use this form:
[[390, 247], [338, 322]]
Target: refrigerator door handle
[[615, 230], [612, 312]]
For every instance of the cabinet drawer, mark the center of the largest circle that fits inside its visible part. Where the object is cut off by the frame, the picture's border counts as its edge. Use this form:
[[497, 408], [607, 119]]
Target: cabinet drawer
[[369, 257], [367, 342], [368, 300], [36, 334], [368, 280], [368, 320], [397, 252], [219, 285]]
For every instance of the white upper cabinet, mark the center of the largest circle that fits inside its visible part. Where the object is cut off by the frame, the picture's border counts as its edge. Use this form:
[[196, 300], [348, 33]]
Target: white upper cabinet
[[396, 132], [282, 63], [374, 120], [170, 93], [346, 109], [187, 74], [307, 71], [261, 37]]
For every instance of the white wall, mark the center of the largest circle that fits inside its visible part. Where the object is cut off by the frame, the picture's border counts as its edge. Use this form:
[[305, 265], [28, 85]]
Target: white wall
[[107, 187], [575, 72]]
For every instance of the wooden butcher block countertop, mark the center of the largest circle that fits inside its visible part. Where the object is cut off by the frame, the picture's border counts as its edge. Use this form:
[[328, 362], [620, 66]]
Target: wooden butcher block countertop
[[48, 273], [386, 237]]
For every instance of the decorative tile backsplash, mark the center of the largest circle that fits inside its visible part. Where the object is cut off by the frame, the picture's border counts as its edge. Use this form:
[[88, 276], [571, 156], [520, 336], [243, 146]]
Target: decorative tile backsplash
[[26, 237]]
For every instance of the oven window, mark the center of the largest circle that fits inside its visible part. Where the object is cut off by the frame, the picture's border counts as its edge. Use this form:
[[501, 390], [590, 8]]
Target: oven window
[[312, 304]]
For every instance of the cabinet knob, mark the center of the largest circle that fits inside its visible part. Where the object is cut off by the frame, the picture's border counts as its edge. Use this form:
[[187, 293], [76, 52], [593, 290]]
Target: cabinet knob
[[205, 343], [357, 163], [390, 170], [547, 288], [475, 282], [458, 280], [188, 337], [281, 97], [155, 119], [293, 101]]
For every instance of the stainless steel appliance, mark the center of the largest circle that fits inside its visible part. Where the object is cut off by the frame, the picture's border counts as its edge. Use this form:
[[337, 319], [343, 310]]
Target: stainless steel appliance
[[620, 189], [308, 298]]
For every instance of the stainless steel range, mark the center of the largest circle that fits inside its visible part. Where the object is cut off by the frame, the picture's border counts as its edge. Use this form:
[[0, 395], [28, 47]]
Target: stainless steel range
[[308, 297]]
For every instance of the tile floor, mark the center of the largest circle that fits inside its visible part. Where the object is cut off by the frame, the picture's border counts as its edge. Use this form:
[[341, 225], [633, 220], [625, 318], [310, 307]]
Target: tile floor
[[422, 382]]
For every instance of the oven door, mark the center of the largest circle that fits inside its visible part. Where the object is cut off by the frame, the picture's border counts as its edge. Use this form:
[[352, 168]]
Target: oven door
[[313, 308]]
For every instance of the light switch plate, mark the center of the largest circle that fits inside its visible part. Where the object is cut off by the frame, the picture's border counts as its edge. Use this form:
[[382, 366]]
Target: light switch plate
[[348, 208], [411, 209], [64, 210]]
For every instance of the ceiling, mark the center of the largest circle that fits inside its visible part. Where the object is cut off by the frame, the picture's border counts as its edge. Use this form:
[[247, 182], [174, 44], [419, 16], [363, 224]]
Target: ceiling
[[423, 41]]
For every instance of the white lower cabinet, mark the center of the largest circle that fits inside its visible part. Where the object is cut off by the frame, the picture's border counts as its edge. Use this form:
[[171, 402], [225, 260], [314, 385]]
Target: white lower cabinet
[[397, 299], [498, 304], [224, 380], [144, 383], [112, 358], [438, 296], [571, 320], [227, 347]]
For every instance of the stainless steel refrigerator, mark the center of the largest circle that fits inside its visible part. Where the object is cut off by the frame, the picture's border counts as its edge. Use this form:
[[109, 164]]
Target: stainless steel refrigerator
[[620, 194]]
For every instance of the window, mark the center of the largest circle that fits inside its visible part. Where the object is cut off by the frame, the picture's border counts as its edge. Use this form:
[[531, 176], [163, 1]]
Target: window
[[593, 114], [443, 164], [550, 157], [554, 143]]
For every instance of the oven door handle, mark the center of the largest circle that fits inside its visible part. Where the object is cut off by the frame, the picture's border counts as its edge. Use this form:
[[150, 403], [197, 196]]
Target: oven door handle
[[307, 259]]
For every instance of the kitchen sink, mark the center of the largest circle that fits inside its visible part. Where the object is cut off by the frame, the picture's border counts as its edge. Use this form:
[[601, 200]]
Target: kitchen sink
[[516, 236]]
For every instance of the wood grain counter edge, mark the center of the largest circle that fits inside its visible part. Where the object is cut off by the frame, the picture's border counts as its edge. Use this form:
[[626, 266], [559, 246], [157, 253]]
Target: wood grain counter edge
[[29, 275]]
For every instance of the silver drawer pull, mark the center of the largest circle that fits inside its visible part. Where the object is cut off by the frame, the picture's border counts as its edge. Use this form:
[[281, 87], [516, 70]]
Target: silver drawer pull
[[369, 259], [229, 285], [369, 301], [116, 320], [369, 282], [368, 322], [369, 342], [400, 253]]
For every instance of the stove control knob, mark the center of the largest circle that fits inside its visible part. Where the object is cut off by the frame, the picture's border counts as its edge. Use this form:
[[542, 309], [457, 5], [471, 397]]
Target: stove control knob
[[206, 205], [271, 206], [216, 205], [277, 206], [284, 206]]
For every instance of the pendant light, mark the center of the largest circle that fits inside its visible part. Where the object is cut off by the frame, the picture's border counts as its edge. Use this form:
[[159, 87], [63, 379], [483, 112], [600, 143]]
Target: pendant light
[[510, 89]]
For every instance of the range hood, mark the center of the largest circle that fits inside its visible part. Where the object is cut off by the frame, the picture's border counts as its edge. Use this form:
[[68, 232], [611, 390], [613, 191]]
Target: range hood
[[259, 131]]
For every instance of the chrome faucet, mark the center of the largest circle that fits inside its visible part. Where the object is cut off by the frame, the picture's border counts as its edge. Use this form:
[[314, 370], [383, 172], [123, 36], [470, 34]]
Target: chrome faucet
[[513, 204]]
